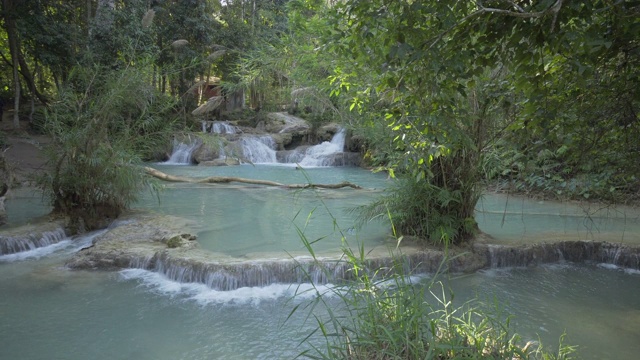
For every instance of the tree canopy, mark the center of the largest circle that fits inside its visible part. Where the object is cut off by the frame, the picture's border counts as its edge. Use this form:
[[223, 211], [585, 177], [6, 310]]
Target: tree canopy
[[537, 96]]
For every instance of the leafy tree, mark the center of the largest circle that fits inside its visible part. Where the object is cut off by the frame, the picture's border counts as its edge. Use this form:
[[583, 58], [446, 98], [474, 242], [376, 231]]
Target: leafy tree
[[448, 77]]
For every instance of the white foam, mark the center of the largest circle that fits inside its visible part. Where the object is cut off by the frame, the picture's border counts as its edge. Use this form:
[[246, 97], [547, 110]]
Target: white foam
[[616, 267], [68, 245], [36, 253], [405, 280], [320, 155], [181, 154], [608, 266], [204, 295]]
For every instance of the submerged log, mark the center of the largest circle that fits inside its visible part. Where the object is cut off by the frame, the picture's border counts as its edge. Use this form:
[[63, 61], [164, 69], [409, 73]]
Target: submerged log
[[228, 179]]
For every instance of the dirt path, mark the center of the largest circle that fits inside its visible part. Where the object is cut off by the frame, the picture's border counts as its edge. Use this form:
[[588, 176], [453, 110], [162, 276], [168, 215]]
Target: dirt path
[[23, 151]]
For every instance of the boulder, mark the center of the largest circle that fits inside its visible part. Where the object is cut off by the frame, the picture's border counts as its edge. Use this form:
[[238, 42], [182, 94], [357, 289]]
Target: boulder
[[206, 152], [282, 122], [326, 132], [283, 140], [345, 159], [180, 240], [355, 143], [291, 156]]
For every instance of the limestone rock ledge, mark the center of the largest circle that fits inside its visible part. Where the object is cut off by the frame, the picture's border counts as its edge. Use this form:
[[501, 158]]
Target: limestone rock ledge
[[41, 232], [131, 240], [163, 244]]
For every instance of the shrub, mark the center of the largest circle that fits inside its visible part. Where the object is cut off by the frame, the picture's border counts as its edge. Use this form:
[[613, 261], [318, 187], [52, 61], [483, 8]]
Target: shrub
[[102, 123], [384, 314]]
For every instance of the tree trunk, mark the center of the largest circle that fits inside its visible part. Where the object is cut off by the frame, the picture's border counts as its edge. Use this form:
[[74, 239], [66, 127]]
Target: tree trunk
[[12, 37], [227, 179], [17, 59]]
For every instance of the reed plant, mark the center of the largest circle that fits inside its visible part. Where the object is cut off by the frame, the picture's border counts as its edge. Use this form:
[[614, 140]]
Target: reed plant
[[102, 125], [390, 313]]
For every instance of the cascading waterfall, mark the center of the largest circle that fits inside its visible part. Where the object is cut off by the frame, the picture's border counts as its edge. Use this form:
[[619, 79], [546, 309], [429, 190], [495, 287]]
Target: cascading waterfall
[[259, 149], [222, 127], [232, 275], [262, 149], [321, 154], [11, 245], [182, 153], [219, 127], [500, 256]]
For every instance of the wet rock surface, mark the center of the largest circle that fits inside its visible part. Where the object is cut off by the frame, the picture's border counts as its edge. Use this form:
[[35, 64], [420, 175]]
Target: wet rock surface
[[166, 244], [130, 241], [39, 233], [280, 138]]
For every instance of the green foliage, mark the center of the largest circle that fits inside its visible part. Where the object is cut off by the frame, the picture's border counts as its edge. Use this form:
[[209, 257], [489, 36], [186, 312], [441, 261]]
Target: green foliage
[[422, 209], [462, 86], [387, 314], [101, 123]]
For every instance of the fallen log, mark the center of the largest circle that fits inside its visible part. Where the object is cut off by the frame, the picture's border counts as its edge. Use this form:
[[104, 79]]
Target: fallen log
[[228, 179]]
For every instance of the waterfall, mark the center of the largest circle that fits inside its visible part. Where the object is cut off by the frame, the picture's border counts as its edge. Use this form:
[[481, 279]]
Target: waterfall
[[11, 245], [223, 127], [259, 149], [262, 149], [232, 274], [181, 154], [219, 127], [322, 154], [621, 255]]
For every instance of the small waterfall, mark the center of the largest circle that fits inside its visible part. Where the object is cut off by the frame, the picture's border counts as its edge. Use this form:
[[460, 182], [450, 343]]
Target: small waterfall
[[322, 154], [182, 153], [219, 127], [500, 256], [233, 274], [262, 149], [573, 251], [259, 149], [611, 255], [223, 127], [11, 245], [143, 262]]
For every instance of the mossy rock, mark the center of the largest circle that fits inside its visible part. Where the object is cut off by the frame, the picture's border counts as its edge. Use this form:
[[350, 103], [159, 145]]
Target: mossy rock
[[179, 240]]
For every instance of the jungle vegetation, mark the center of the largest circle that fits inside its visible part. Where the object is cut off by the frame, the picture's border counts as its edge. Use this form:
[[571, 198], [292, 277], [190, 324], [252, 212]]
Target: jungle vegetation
[[540, 97]]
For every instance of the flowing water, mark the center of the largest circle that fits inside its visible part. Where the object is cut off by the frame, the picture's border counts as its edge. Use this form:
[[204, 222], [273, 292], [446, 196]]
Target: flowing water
[[262, 149], [182, 152], [49, 312]]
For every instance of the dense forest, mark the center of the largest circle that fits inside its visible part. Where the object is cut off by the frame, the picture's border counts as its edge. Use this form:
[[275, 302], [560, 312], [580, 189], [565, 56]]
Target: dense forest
[[450, 98], [537, 97]]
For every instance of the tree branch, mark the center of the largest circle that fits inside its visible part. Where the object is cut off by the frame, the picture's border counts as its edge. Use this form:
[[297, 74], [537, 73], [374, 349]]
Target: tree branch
[[227, 179], [521, 13]]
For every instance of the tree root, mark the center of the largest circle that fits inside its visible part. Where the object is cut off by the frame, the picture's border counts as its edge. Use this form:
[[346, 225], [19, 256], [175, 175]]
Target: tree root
[[228, 179]]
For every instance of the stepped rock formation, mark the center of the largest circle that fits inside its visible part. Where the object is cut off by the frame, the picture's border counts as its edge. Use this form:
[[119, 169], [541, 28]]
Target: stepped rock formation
[[143, 243], [280, 138]]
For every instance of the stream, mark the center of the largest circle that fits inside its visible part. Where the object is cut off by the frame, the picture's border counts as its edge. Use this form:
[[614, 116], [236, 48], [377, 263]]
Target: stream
[[50, 312]]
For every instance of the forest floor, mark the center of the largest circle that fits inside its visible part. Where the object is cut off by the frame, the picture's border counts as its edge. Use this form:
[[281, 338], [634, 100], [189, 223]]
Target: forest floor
[[23, 150]]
